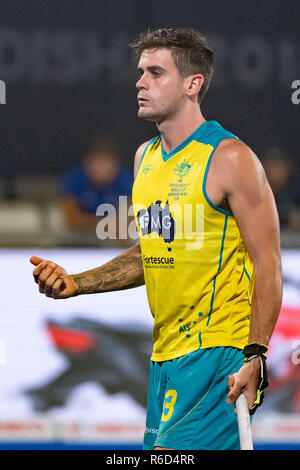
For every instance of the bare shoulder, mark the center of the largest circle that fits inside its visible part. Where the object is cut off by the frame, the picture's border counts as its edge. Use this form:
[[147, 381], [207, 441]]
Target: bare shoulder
[[141, 149], [138, 156], [237, 165], [235, 151]]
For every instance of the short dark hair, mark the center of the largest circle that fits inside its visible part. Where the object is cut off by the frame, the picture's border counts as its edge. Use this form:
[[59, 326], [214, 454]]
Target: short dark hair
[[190, 51]]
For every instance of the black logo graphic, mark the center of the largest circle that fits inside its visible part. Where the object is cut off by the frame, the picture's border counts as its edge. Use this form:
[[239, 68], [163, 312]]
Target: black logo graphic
[[157, 219], [115, 357]]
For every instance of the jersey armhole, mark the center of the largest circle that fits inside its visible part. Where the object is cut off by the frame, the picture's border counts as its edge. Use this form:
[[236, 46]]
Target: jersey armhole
[[217, 208], [152, 141]]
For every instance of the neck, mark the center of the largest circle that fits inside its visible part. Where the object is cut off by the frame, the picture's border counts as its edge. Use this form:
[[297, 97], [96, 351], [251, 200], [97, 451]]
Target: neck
[[175, 129]]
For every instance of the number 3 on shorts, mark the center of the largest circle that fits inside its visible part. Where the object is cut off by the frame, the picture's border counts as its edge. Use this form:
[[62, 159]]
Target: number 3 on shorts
[[170, 400]]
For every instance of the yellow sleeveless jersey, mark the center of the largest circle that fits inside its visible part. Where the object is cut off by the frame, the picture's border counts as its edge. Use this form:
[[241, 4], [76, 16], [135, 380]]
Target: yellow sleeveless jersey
[[198, 275]]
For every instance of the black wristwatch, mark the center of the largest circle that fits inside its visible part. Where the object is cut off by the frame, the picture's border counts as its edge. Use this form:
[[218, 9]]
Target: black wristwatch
[[255, 349], [251, 351]]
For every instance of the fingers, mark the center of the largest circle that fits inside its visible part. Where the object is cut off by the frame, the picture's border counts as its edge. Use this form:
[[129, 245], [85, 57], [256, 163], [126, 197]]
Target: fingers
[[230, 381], [236, 388], [40, 267], [57, 288], [50, 281], [45, 274]]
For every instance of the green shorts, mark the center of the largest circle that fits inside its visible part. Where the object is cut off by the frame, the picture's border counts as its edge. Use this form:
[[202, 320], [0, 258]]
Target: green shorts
[[187, 407]]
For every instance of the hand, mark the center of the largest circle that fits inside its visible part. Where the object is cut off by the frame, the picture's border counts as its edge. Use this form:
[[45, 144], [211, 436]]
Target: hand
[[53, 280], [245, 381]]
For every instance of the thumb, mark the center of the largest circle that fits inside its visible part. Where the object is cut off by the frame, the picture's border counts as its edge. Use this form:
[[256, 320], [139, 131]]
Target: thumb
[[36, 260]]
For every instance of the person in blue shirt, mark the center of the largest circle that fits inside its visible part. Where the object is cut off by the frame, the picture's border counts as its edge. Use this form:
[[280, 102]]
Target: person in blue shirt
[[99, 178], [284, 177]]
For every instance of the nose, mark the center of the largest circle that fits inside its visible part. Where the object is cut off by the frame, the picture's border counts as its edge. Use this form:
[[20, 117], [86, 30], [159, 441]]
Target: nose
[[141, 83]]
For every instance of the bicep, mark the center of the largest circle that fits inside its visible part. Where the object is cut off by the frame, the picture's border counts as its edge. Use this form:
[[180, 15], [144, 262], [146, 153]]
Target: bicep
[[253, 205]]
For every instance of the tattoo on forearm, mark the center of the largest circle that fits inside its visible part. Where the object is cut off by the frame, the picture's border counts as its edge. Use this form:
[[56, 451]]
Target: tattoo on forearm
[[123, 272]]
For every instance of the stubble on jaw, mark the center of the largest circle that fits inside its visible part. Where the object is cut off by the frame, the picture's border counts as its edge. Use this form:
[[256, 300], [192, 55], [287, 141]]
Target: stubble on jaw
[[164, 113]]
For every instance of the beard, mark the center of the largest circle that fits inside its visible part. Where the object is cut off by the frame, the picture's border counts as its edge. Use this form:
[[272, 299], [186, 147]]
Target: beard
[[160, 114], [147, 114]]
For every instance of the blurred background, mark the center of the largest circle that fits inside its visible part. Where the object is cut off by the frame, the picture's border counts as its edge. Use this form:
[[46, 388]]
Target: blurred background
[[74, 373]]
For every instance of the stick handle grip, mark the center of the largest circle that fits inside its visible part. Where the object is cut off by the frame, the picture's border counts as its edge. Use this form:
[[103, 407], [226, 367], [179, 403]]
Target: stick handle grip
[[244, 424]]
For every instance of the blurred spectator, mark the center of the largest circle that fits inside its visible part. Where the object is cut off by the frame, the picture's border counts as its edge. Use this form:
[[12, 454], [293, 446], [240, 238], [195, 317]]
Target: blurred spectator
[[284, 178], [99, 179]]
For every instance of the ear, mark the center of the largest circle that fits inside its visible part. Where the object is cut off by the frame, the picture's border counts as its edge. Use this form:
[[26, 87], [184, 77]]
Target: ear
[[193, 84]]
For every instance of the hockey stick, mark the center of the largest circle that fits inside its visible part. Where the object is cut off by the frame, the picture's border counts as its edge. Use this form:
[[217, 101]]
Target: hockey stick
[[244, 423]]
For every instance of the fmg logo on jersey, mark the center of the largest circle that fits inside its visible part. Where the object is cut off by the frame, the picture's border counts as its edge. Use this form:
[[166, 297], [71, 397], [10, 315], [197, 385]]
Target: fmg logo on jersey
[[173, 221], [2, 92], [157, 219]]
